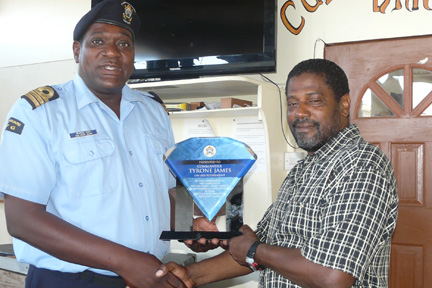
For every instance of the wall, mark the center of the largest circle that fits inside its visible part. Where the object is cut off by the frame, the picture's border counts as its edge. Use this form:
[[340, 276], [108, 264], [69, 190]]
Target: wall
[[39, 31], [18, 80], [36, 50]]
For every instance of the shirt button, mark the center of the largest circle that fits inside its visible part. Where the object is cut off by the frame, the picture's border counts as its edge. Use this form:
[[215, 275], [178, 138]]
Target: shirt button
[[147, 218], [140, 185], [130, 153], [91, 153]]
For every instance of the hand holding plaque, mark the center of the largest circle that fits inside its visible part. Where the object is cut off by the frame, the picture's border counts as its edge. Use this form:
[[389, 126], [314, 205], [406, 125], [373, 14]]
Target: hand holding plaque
[[209, 171]]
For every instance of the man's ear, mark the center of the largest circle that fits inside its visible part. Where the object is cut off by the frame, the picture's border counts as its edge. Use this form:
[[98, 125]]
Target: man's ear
[[76, 47], [345, 104]]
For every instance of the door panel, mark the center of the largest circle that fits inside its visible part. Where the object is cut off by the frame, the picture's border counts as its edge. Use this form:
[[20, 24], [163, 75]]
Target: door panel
[[391, 96], [408, 261], [408, 163]]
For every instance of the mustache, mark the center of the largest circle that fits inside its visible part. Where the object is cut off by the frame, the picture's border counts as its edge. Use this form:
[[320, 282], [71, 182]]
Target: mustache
[[304, 121]]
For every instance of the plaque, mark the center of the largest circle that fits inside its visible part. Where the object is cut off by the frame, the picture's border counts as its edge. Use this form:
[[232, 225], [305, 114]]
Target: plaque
[[209, 172]]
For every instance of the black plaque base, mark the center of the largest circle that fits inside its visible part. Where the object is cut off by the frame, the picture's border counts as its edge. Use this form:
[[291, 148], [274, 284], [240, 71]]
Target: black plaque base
[[195, 235]]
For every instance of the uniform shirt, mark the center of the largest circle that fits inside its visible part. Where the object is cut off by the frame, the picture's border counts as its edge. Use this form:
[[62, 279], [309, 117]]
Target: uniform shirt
[[339, 206], [100, 173]]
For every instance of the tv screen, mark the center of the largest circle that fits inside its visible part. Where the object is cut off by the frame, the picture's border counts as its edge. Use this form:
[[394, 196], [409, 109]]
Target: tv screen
[[182, 39]]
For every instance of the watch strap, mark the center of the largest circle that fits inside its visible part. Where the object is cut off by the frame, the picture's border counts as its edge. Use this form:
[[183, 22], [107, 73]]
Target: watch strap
[[250, 258], [252, 249]]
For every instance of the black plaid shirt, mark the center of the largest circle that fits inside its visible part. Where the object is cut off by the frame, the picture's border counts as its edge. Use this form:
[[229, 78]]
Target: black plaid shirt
[[339, 206]]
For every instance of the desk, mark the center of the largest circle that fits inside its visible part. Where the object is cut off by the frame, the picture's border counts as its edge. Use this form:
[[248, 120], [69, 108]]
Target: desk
[[12, 272]]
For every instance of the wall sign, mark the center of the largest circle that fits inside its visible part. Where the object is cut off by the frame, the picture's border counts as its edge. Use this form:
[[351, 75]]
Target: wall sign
[[380, 6]]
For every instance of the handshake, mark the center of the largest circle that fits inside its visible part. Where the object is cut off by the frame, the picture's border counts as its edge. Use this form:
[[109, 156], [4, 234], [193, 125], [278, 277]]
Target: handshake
[[229, 264]]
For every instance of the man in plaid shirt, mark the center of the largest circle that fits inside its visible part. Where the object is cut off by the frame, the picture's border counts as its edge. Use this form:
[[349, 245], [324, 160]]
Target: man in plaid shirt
[[332, 222]]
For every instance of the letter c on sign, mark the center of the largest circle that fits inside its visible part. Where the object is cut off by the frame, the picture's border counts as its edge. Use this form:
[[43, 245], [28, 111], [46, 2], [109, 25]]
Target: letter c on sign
[[291, 28]]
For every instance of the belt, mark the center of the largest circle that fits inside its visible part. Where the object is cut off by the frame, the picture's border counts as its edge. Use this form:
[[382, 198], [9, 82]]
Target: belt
[[109, 281]]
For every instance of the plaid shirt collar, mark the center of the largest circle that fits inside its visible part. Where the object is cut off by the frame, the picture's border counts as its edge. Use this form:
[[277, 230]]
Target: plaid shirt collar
[[343, 138]]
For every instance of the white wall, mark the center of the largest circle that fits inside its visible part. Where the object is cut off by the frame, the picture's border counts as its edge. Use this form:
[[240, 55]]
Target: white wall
[[36, 50], [36, 42], [38, 31]]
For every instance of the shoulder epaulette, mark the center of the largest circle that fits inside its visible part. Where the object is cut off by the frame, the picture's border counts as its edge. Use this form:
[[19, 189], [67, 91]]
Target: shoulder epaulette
[[40, 96], [158, 99]]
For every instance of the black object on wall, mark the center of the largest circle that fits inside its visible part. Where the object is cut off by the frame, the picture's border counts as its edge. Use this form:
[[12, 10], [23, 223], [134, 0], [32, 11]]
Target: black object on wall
[[181, 39]]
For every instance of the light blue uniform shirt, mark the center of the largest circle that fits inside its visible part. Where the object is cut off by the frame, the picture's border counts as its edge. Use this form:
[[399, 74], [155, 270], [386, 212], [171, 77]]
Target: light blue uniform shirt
[[100, 173]]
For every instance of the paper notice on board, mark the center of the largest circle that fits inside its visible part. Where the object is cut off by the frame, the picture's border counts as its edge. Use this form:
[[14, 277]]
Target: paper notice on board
[[251, 132], [197, 128]]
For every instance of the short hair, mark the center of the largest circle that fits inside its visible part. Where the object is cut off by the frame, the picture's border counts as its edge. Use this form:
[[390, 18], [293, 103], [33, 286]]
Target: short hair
[[333, 75]]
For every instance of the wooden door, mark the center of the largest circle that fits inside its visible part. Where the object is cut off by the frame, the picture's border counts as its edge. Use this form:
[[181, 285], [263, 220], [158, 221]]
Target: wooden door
[[390, 88]]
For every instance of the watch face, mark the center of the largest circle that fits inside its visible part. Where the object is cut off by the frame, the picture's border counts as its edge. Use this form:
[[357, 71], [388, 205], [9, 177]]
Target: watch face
[[251, 263]]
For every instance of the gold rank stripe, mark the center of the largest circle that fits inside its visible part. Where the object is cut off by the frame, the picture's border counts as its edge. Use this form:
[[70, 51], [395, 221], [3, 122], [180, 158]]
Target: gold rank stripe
[[165, 108], [36, 99], [40, 96]]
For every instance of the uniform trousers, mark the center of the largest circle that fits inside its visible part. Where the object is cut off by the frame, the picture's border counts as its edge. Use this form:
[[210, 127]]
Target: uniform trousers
[[44, 278]]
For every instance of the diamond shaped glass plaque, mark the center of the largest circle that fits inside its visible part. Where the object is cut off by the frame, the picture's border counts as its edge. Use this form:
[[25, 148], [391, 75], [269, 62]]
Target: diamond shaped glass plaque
[[209, 168]]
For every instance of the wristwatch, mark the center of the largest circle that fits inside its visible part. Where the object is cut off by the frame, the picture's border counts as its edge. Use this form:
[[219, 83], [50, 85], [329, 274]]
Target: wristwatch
[[251, 255]]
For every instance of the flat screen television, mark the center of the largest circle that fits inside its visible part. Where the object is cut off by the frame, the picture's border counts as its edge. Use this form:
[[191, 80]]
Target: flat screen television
[[182, 39]]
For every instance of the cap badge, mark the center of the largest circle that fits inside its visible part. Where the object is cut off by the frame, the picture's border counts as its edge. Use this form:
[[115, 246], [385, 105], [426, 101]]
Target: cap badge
[[128, 10]]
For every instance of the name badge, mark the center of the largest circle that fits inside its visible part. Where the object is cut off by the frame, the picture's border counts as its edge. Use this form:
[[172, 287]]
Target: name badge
[[82, 134]]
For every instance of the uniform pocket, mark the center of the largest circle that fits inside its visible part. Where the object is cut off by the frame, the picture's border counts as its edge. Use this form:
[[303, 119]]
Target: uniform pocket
[[87, 166], [83, 150], [157, 145]]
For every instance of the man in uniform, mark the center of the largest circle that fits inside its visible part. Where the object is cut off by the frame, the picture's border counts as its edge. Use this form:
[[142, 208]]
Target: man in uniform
[[82, 172]]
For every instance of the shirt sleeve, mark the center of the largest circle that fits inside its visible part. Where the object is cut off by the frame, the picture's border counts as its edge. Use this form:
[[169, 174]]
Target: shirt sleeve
[[30, 170], [172, 179], [357, 222]]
